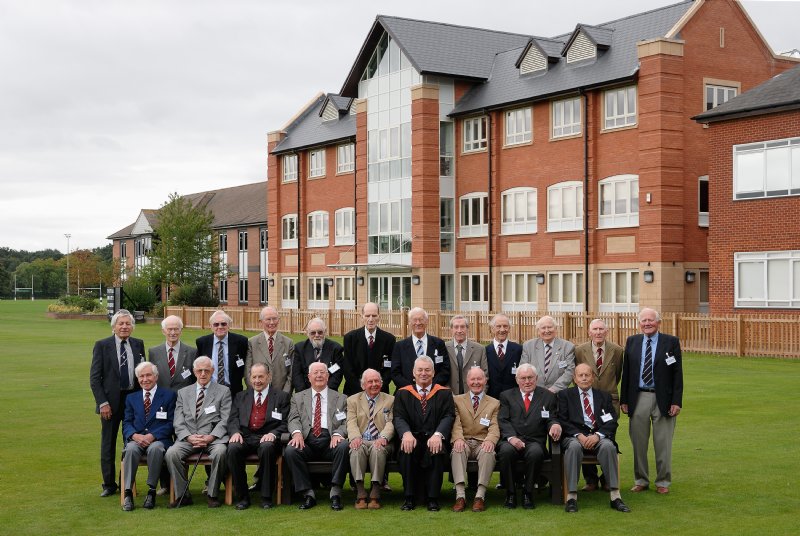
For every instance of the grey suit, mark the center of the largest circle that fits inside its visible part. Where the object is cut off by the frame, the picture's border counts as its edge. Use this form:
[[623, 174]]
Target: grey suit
[[158, 355], [212, 420], [562, 362], [474, 356], [280, 364]]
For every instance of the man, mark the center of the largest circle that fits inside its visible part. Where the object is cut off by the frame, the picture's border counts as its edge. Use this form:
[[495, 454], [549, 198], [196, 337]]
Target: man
[[257, 420], [553, 358], [604, 359], [226, 350], [526, 417], [464, 354], [365, 348], [147, 428], [420, 343], [652, 395], [502, 357], [201, 426], [423, 419], [318, 426], [174, 359], [112, 379], [475, 434], [589, 423], [370, 429], [317, 349], [273, 348]]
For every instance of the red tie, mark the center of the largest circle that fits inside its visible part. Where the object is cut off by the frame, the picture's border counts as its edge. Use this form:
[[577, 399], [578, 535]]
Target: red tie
[[587, 409], [423, 400], [146, 405], [527, 402], [171, 363], [371, 342], [475, 402], [271, 348], [317, 428], [500, 353], [599, 358]]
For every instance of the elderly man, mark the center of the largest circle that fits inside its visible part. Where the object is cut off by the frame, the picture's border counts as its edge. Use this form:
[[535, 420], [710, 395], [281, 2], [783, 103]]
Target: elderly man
[[112, 379], [589, 423], [464, 354], [173, 358], [370, 429], [554, 358], [318, 426], [420, 343], [526, 417], [201, 426], [273, 348], [502, 357], [652, 395], [475, 434], [604, 359], [258, 418], [317, 349], [367, 347], [423, 419], [227, 351], [147, 429]]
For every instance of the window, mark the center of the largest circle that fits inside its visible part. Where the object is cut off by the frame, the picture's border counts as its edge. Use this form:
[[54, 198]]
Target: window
[[289, 168], [519, 211], [620, 108], [123, 260], [389, 227], [619, 291], [446, 225], [767, 279], [345, 158], [263, 290], [345, 227], [768, 169], [141, 253], [474, 134], [223, 290], [565, 291], [702, 289], [289, 293], [223, 259], [242, 266], [518, 126], [345, 293], [447, 292], [317, 293], [702, 201], [446, 149], [475, 292], [565, 206], [316, 160], [619, 201], [317, 229], [289, 231], [474, 215], [716, 95], [243, 290], [566, 117], [520, 291]]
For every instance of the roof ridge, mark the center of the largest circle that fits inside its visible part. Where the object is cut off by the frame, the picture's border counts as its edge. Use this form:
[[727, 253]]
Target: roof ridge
[[627, 17], [455, 25]]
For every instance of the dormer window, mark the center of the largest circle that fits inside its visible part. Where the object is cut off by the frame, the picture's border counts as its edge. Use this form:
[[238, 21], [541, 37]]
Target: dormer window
[[582, 49], [330, 112], [533, 61]]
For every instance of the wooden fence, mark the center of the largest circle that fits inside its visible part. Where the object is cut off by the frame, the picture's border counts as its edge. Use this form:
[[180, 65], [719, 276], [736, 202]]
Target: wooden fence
[[739, 335]]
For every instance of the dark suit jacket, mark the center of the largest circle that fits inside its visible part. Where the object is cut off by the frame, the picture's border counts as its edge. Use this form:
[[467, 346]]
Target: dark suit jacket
[[135, 423], [500, 376], [242, 406], [439, 414], [405, 354], [530, 426], [332, 354], [359, 358], [668, 378], [570, 413], [237, 349], [104, 372], [183, 361]]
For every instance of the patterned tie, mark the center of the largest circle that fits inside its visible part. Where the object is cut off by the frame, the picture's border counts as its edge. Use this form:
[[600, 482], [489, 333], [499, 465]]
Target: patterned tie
[[587, 409], [199, 404], [423, 400], [599, 357], [527, 402], [647, 370], [171, 361], [317, 427], [500, 353], [258, 401], [460, 361], [548, 354], [475, 401], [221, 363], [372, 430], [146, 405], [124, 379], [371, 342], [317, 352], [420, 349], [271, 348]]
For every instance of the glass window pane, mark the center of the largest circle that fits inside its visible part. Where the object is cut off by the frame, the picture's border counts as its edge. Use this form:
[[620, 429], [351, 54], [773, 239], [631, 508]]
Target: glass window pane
[[635, 287], [621, 294], [750, 172], [635, 197], [508, 287], [778, 279], [569, 202], [751, 280], [778, 169], [621, 199], [532, 289], [464, 288], [520, 206], [579, 288], [519, 287], [567, 287], [552, 291], [605, 287]]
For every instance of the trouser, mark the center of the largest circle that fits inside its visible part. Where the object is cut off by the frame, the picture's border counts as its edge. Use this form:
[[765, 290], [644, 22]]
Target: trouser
[[421, 470], [645, 414], [317, 448], [472, 451], [155, 459], [180, 450], [606, 452], [532, 454], [366, 458], [267, 455]]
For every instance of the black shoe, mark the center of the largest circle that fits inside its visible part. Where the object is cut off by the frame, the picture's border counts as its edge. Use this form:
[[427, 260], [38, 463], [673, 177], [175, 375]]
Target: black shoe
[[571, 506], [336, 503], [511, 501], [178, 503], [108, 491], [308, 503], [433, 505], [408, 505], [266, 504], [213, 502], [127, 504], [150, 500], [527, 501], [244, 504], [619, 506]]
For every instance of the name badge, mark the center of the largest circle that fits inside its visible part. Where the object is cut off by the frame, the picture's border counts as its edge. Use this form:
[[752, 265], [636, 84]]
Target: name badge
[[606, 417], [333, 368], [161, 415], [545, 414], [210, 409], [387, 363], [341, 415], [562, 364], [186, 373], [484, 421], [671, 360], [287, 362], [438, 359], [514, 369], [277, 415], [240, 362]]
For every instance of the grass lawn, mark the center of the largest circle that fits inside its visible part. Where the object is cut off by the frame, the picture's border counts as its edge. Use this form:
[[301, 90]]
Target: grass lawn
[[734, 456]]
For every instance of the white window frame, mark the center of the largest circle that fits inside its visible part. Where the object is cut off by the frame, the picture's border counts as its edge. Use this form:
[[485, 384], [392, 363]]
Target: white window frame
[[289, 293], [345, 158], [559, 302], [469, 284], [345, 292], [765, 164], [289, 233], [466, 210], [518, 211], [703, 287], [317, 229], [223, 289], [556, 221], [623, 291], [316, 163], [474, 134], [345, 222], [720, 94], [624, 208], [519, 126], [519, 291], [613, 116], [702, 217], [777, 279], [289, 168], [318, 293], [562, 128]]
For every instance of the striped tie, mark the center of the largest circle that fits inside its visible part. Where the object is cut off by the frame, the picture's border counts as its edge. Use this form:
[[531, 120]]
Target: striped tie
[[587, 409], [372, 430], [147, 403], [199, 404], [420, 349], [500, 353], [221, 364], [317, 425], [647, 370], [124, 375], [475, 402], [171, 362], [423, 400], [271, 348], [548, 355]]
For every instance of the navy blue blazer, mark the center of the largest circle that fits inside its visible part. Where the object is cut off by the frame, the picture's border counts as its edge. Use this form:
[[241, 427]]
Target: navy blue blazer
[[404, 354], [668, 378], [237, 349], [500, 376], [570, 413], [135, 423]]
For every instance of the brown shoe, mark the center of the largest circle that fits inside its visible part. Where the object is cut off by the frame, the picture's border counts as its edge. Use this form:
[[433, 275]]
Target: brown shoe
[[361, 503], [479, 505], [638, 488], [374, 504], [461, 504], [589, 487], [662, 490]]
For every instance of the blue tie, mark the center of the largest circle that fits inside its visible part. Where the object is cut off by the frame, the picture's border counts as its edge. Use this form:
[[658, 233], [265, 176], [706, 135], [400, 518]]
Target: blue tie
[[420, 349]]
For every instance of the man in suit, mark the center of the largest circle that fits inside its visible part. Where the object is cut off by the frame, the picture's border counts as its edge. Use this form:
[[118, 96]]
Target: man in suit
[[464, 354], [227, 351], [112, 379], [502, 357], [201, 425], [273, 348], [554, 358], [589, 423], [370, 429], [420, 343], [258, 418], [318, 426], [604, 359], [317, 349], [475, 434], [423, 419], [174, 359], [365, 348], [527, 415], [652, 394], [147, 429]]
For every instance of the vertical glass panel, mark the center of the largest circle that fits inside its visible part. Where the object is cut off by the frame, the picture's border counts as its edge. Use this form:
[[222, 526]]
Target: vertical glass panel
[[579, 288], [605, 287], [750, 172], [508, 288], [621, 198], [464, 288], [567, 288], [778, 279], [532, 289], [635, 197], [554, 201], [520, 207], [553, 286], [605, 199], [635, 287], [778, 169], [569, 203], [621, 290], [751, 280]]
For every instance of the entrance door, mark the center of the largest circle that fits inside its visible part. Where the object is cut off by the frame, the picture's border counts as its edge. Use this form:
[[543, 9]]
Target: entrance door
[[390, 292]]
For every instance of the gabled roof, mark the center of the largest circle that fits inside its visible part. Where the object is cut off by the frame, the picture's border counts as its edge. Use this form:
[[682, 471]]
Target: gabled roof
[[601, 37], [550, 49], [145, 221], [308, 129]]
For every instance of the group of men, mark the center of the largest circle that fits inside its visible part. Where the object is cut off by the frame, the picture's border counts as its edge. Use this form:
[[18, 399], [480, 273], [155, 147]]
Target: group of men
[[454, 401]]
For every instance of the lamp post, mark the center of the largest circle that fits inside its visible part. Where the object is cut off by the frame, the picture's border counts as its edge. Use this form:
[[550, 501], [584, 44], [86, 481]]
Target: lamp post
[[67, 235]]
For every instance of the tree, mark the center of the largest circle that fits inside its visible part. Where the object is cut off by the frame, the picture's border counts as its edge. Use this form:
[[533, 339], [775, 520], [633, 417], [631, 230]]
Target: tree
[[49, 277]]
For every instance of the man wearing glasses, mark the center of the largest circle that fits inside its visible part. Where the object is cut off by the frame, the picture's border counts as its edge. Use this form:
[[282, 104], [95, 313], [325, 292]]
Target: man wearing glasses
[[317, 349], [227, 352]]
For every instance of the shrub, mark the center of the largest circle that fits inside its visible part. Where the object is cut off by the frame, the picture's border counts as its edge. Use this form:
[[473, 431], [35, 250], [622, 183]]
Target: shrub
[[193, 295], [138, 295]]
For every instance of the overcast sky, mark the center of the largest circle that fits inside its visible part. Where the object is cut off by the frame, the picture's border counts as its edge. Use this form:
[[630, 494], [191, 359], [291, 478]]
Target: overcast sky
[[107, 106]]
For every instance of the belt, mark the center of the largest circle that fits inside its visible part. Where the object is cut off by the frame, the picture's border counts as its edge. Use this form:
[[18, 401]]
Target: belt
[[646, 390]]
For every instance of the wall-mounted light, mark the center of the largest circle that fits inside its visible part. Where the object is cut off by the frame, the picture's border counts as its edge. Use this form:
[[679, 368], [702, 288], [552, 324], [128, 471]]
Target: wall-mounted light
[[540, 279], [415, 280], [690, 276], [360, 281], [329, 281], [272, 281], [648, 197], [649, 276]]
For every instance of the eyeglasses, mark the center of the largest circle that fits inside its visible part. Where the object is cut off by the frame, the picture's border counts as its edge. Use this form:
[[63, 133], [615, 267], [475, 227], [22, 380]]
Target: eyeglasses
[[203, 371], [219, 324], [317, 332]]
